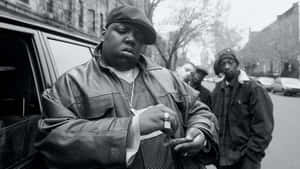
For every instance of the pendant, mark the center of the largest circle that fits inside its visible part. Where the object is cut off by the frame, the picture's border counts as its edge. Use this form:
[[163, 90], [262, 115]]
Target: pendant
[[167, 124]]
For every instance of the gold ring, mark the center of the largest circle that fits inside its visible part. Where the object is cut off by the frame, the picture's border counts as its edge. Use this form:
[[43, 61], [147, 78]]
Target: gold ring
[[167, 123], [166, 116]]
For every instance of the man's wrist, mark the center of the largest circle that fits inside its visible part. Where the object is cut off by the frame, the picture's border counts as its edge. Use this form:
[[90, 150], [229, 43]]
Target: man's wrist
[[206, 145], [204, 139]]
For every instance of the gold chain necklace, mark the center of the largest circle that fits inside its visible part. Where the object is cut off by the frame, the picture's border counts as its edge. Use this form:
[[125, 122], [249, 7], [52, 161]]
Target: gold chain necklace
[[131, 97]]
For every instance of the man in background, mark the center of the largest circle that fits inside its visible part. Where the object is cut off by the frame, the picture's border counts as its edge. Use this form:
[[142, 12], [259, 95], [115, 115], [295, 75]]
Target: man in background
[[196, 80], [245, 114]]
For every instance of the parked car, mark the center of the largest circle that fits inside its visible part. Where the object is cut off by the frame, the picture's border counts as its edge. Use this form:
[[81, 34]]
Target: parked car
[[252, 77], [33, 56], [287, 85], [266, 82]]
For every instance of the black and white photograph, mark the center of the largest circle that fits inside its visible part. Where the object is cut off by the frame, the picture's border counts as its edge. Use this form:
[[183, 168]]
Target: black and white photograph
[[149, 84]]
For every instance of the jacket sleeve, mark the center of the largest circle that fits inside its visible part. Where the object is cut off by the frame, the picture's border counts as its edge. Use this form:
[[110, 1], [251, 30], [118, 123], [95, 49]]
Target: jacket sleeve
[[262, 123], [68, 141], [201, 117], [198, 115]]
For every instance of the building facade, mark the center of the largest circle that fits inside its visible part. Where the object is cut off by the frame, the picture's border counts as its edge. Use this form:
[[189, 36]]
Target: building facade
[[276, 49], [84, 17]]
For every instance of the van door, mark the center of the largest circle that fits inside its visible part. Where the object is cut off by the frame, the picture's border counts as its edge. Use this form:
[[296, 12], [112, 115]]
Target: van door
[[20, 105]]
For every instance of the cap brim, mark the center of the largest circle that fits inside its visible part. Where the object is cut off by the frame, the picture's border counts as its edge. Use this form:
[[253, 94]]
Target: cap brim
[[148, 31], [204, 72]]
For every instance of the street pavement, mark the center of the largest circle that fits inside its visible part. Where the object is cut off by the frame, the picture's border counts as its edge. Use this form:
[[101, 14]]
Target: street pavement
[[284, 149]]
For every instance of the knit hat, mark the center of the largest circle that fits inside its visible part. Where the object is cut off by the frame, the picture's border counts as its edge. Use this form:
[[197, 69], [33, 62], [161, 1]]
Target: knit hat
[[223, 54], [133, 15]]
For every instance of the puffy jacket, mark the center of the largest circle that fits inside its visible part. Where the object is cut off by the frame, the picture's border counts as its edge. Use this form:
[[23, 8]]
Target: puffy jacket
[[85, 122]]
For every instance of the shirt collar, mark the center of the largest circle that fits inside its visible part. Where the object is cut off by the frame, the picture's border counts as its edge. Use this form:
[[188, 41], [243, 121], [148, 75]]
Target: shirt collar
[[129, 75], [243, 77]]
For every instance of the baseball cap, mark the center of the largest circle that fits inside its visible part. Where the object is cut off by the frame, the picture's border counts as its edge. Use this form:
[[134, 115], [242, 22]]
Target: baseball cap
[[201, 70]]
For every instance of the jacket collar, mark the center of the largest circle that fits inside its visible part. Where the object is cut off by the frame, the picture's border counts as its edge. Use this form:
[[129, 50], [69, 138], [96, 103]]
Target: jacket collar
[[241, 79]]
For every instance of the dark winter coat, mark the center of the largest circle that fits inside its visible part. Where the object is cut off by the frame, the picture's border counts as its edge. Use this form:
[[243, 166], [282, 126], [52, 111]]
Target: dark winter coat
[[250, 117]]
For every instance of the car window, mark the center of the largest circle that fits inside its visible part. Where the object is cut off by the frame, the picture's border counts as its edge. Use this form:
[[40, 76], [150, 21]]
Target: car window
[[67, 55], [19, 100], [266, 80]]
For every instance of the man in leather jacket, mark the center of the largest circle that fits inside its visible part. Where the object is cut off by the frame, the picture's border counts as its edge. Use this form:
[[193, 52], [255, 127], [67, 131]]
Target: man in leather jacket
[[120, 110], [245, 113]]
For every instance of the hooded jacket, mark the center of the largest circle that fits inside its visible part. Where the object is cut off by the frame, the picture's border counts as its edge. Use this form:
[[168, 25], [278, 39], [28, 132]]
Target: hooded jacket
[[86, 120]]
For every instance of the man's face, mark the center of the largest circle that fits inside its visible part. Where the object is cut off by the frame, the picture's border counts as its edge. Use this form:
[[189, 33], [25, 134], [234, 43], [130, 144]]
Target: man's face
[[197, 77], [185, 71], [122, 46], [229, 67]]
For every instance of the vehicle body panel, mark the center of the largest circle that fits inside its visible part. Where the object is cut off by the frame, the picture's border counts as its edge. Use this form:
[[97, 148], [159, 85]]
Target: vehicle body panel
[[19, 130], [266, 82], [287, 86]]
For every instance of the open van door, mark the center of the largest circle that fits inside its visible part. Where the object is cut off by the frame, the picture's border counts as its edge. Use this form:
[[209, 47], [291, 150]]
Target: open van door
[[20, 106]]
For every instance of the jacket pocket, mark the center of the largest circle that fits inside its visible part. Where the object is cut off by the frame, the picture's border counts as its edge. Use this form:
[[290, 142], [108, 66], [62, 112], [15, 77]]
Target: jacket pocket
[[240, 111], [240, 123], [97, 107]]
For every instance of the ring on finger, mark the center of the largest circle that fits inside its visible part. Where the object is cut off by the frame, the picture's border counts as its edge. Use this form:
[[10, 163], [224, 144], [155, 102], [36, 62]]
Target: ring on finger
[[167, 123], [166, 116]]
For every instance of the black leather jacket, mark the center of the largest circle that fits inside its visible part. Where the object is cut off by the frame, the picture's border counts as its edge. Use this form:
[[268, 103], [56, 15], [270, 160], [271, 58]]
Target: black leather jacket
[[86, 120]]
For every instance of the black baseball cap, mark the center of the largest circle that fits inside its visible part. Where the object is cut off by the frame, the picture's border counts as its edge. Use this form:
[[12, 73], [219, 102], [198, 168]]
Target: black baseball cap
[[132, 15], [201, 70]]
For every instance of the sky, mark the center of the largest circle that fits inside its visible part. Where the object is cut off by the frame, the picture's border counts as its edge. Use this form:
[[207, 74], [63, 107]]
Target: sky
[[256, 14], [243, 15]]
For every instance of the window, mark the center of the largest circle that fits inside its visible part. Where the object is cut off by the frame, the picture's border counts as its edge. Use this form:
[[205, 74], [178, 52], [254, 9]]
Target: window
[[17, 91], [25, 1], [80, 13], [67, 55], [20, 108], [101, 23], [91, 23], [50, 6], [69, 11]]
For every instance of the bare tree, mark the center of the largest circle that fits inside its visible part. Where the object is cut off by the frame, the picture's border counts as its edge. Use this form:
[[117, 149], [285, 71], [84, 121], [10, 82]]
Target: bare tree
[[193, 23], [149, 5], [150, 8], [225, 37]]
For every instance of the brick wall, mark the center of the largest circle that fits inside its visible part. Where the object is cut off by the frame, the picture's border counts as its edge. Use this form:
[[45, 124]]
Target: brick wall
[[82, 16]]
